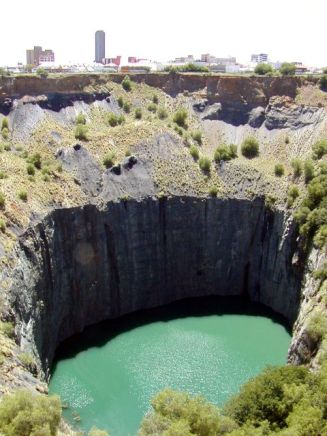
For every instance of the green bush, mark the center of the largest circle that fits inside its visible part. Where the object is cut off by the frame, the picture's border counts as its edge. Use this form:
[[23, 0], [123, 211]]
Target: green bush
[[308, 171], [250, 147], [41, 72], [188, 68], [35, 159], [194, 152], [263, 69], [225, 152], [178, 130], [25, 414], [162, 113], [320, 238], [296, 164], [319, 149], [81, 132], [120, 102], [180, 117], [126, 83], [317, 327], [197, 136], [2, 225], [109, 159], [138, 113], [179, 414], [7, 328], [292, 194], [152, 107], [205, 163], [3, 175], [127, 107], [22, 195], [112, 119], [279, 170], [265, 398], [121, 119], [80, 119], [7, 147], [213, 191], [5, 133], [4, 123], [30, 169], [287, 69], [155, 99], [2, 200]]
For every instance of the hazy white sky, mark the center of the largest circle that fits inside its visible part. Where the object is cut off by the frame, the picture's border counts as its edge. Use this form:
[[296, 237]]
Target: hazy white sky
[[285, 29]]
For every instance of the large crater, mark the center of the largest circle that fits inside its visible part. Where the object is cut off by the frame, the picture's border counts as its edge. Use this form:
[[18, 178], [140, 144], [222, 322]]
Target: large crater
[[82, 265]]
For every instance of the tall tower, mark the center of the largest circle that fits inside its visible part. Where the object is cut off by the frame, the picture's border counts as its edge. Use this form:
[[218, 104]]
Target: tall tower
[[100, 46]]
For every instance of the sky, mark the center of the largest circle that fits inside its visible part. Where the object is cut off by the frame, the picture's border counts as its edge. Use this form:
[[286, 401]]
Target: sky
[[288, 30]]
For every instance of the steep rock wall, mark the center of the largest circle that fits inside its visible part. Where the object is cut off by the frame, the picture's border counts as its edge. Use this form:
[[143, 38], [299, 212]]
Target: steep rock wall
[[83, 265]]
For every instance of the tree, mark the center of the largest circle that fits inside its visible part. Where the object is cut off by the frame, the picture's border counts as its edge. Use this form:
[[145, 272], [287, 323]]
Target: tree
[[287, 69], [179, 414], [24, 414], [263, 69], [42, 73], [319, 149]]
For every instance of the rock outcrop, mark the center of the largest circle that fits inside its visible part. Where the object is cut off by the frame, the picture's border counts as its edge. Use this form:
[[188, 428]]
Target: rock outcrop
[[83, 265]]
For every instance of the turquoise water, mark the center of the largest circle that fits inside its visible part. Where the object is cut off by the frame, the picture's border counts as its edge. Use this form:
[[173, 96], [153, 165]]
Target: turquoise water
[[109, 374]]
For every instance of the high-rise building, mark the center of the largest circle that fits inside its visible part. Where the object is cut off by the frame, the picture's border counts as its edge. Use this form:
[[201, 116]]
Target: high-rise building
[[100, 46], [36, 56]]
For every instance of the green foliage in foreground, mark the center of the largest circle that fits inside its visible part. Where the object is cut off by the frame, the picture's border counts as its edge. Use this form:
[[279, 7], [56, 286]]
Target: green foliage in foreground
[[179, 414], [25, 414], [287, 401]]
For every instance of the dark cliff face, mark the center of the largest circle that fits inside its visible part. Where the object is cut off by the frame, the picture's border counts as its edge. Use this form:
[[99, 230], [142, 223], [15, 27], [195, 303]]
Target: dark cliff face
[[83, 265]]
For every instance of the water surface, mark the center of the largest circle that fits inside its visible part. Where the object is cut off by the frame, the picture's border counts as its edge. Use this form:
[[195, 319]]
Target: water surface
[[109, 374]]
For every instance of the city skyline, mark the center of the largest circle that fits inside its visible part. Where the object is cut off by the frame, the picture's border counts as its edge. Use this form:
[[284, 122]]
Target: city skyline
[[287, 32]]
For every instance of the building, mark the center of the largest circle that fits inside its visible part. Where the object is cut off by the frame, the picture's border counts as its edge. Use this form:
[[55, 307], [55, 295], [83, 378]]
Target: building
[[259, 58], [100, 46], [37, 56], [209, 59], [115, 61]]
